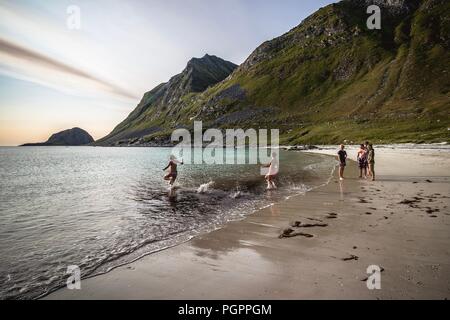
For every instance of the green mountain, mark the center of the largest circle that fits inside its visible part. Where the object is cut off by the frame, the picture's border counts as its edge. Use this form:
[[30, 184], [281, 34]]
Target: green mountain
[[162, 107], [328, 80]]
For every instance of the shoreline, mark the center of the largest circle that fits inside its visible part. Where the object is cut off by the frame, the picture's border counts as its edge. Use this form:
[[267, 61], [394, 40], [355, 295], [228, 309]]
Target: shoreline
[[247, 260], [198, 234], [302, 147]]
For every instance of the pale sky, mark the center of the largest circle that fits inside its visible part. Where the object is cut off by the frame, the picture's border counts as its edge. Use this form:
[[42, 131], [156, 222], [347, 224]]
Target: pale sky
[[53, 78]]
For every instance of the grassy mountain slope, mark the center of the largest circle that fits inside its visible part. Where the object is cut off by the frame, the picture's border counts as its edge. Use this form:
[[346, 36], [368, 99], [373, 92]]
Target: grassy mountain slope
[[331, 79], [166, 100]]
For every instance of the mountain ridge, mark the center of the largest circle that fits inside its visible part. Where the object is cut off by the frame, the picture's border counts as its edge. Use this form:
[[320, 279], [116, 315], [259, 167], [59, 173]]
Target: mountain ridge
[[330, 80], [167, 98]]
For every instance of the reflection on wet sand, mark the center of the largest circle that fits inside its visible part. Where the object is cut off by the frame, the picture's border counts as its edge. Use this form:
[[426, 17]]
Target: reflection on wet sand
[[341, 189]]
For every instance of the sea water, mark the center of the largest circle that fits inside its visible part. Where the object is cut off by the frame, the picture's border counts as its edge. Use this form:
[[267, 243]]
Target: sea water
[[98, 208]]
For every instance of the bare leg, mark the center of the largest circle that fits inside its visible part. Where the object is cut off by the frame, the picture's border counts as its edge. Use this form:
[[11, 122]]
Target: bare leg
[[372, 171], [272, 182], [268, 182], [341, 173]]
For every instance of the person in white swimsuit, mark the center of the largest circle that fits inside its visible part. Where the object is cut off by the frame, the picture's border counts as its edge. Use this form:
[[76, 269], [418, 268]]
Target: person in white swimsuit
[[273, 171]]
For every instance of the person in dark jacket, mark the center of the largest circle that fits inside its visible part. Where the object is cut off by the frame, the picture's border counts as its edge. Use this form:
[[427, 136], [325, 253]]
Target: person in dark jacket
[[342, 157]]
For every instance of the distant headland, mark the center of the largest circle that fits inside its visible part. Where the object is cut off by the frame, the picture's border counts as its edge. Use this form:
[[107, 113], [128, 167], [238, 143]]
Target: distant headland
[[70, 137]]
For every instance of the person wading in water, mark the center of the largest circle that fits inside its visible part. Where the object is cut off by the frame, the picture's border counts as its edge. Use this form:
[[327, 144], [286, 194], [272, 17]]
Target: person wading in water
[[173, 173]]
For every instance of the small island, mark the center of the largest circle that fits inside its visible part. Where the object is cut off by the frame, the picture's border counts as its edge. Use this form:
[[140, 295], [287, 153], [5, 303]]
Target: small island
[[70, 137]]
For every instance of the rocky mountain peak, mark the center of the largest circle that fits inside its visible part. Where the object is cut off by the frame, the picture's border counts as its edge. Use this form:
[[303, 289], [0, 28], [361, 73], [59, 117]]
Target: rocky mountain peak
[[200, 73], [168, 98]]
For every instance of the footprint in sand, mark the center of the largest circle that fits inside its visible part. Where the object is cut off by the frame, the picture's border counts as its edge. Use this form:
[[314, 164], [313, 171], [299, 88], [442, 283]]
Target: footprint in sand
[[332, 215]]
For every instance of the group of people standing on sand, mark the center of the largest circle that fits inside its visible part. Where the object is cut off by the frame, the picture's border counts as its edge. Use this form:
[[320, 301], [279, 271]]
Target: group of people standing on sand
[[365, 159]]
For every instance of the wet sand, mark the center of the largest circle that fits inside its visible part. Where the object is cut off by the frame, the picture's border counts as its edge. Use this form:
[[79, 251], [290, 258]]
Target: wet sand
[[401, 222]]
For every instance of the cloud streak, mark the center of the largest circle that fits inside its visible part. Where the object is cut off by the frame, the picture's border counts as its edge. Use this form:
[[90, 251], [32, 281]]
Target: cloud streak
[[16, 57]]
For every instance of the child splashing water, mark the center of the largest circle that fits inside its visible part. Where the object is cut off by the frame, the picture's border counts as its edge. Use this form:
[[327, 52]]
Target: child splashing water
[[273, 171], [173, 173]]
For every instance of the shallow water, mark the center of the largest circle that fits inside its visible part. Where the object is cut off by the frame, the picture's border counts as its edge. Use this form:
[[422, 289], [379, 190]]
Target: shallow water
[[98, 208]]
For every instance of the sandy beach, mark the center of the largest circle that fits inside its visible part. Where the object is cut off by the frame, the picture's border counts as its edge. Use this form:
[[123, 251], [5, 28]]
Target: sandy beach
[[401, 222]]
